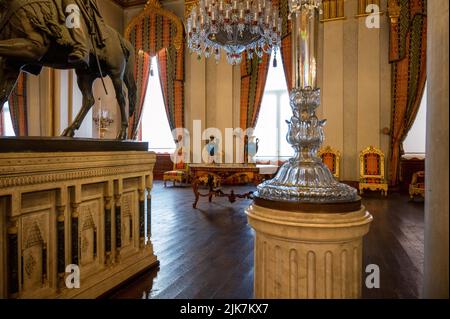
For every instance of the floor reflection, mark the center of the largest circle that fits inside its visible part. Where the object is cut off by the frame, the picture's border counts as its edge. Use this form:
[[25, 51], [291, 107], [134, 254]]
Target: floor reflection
[[139, 287]]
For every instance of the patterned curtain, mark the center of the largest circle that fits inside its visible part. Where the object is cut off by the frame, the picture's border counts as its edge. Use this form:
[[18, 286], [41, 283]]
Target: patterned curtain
[[286, 53], [253, 81], [142, 74], [153, 31], [171, 75], [408, 45], [18, 106]]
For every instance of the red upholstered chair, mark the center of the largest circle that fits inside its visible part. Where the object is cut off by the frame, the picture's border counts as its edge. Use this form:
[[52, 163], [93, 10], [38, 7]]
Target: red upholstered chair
[[331, 158], [179, 173], [417, 186], [372, 173]]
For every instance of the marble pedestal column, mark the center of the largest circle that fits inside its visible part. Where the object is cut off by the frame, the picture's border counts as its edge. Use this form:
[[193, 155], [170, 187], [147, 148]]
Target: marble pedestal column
[[436, 166], [308, 254]]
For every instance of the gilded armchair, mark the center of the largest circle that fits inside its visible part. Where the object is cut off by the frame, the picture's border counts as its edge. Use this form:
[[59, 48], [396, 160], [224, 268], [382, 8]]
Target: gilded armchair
[[179, 173], [331, 158], [417, 186], [372, 171]]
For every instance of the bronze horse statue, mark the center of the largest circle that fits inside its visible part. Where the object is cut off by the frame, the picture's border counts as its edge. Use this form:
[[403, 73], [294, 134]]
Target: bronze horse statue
[[33, 35]]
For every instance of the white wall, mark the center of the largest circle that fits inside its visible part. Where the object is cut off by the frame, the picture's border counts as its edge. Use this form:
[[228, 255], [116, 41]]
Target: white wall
[[355, 81]]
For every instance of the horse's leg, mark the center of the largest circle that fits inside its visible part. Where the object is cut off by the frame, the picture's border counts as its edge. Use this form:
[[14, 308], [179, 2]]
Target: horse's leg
[[8, 80], [22, 48], [85, 82], [130, 83], [120, 95]]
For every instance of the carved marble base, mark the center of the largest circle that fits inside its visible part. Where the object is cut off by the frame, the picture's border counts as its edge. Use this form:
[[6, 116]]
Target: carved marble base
[[91, 209], [301, 255]]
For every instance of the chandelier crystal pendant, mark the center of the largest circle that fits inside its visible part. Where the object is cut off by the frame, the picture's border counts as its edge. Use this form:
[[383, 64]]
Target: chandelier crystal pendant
[[236, 26]]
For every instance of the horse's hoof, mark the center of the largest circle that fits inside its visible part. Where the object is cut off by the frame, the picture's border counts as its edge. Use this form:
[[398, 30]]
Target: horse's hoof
[[122, 136], [68, 133]]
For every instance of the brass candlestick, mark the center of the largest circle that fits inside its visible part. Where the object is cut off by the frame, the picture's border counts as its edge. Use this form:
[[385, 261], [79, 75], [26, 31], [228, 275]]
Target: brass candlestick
[[103, 121]]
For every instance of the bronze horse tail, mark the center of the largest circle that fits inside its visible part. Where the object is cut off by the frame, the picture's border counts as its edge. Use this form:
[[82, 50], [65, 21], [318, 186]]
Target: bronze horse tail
[[129, 78]]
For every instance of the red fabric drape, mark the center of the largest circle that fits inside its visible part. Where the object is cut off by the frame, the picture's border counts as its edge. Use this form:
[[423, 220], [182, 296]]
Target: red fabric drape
[[408, 57], [142, 74], [171, 75], [286, 53], [253, 82], [18, 106]]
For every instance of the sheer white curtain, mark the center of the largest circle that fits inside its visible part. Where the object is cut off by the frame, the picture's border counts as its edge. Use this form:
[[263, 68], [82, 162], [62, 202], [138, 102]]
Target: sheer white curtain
[[155, 124], [7, 122], [415, 141]]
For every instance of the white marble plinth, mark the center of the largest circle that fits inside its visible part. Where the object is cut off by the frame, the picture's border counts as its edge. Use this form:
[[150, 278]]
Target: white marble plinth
[[308, 255], [91, 210]]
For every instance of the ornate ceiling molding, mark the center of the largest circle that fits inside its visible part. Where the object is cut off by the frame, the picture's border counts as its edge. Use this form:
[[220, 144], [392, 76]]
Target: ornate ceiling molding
[[154, 7], [129, 3], [188, 5]]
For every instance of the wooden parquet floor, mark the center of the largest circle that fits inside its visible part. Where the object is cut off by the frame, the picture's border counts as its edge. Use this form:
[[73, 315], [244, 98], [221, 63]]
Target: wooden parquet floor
[[208, 252]]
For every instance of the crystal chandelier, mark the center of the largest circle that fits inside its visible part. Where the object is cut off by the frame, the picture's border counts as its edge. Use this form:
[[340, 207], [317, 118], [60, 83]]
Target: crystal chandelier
[[235, 26]]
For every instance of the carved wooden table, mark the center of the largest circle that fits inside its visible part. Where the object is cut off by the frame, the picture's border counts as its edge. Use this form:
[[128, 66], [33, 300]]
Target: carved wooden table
[[213, 175]]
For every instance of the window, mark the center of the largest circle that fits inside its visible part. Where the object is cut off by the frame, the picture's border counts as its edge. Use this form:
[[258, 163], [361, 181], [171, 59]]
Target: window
[[415, 141], [155, 125], [7, 123], [271, 128]]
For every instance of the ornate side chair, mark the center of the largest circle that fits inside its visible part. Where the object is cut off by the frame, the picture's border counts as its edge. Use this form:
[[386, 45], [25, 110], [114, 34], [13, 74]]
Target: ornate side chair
[[179, 173], [372, 173], [331, 158], [417, 186]]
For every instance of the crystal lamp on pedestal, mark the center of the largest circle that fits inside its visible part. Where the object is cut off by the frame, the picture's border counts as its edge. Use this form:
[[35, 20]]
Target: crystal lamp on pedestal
[[304, 178]]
